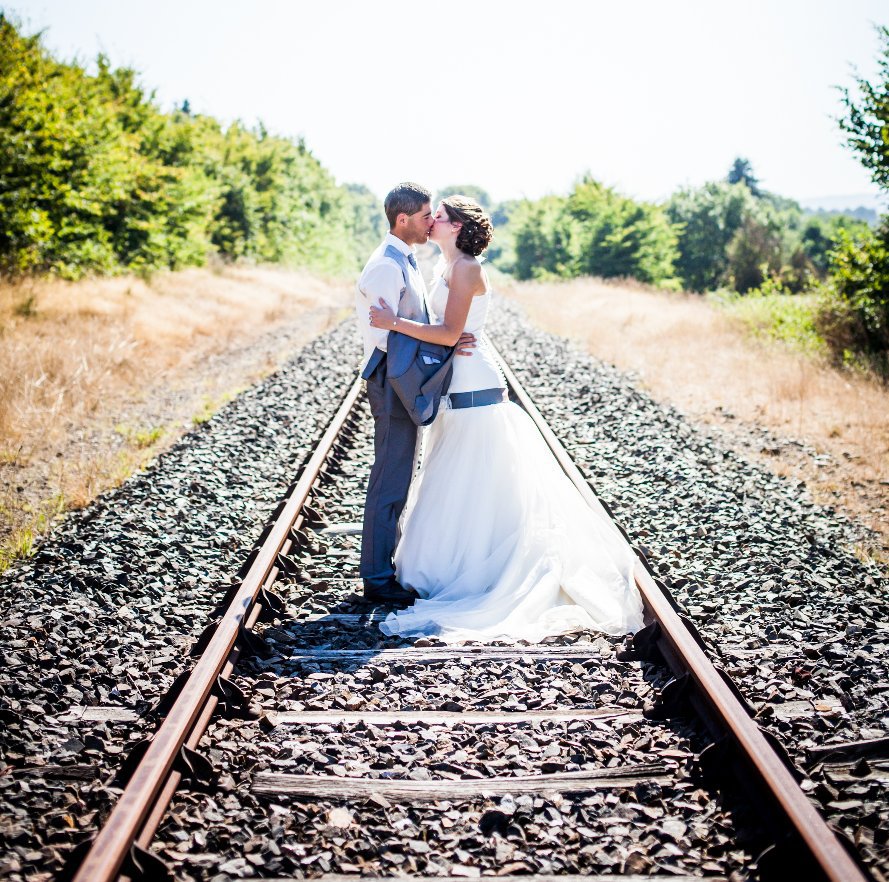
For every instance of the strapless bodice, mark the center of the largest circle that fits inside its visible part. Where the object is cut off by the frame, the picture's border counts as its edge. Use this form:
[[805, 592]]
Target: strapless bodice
[[478, 309], [479, 370]]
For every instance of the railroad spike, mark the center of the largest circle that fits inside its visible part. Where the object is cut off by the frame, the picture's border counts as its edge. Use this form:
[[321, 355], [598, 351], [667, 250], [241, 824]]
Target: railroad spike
[[142, 865], [74, 860], [673, 700], [273, 605], [786, 859], [777, 745], [278, 509], [713, 765], [751, 710], [131, 761], [645, 561], [668, 593], [287, 565], [333, 466], [251, 643], [196, 770], [311, 516], [620, 527], [299, 538], [693, 630], [643, 646], [848, 844], [311, 543], [226, 599], [266, 530], [232, 702]]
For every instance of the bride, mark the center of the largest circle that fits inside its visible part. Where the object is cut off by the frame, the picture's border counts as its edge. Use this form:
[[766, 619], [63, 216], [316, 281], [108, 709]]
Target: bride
[[495, 539]]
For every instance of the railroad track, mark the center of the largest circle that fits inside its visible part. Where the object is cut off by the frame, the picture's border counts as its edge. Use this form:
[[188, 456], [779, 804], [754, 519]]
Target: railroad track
[[574, 731]]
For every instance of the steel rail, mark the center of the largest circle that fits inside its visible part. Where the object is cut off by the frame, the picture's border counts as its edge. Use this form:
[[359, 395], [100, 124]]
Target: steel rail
[[140, 798], [828, 851]]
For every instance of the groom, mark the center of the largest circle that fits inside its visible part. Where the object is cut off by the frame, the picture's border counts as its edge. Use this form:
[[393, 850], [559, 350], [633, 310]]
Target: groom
[[391, 274]]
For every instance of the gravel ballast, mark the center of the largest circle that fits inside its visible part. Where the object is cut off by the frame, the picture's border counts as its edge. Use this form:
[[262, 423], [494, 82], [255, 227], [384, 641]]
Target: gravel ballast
[[104, 613], [105, 610], [773, 581], [652, 815]]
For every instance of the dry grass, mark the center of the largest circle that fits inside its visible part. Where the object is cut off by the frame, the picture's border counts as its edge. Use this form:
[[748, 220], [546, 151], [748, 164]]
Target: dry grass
[[689, 353], [97, 376]]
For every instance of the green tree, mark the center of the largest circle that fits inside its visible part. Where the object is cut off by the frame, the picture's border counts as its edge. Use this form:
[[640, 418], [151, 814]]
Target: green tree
[[366, 223], [614, 236], [854, 318], [708, 218], [866, 120], [753, 255], [501, 251], [593, 231], [94, 177], [741, 172], [541, 239], [730, 237], [160, 217], [855, 314], [820, 235], [61, 162]]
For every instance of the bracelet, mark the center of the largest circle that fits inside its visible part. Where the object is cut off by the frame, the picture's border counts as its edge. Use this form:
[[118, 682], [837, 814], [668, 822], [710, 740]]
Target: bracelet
[[394, 323]]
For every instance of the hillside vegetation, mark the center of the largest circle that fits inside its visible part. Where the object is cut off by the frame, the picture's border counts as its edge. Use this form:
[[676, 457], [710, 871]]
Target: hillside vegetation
[[96, 179], [823, 274]]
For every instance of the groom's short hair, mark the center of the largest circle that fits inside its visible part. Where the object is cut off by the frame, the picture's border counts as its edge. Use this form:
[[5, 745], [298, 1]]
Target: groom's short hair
[[407, 197]]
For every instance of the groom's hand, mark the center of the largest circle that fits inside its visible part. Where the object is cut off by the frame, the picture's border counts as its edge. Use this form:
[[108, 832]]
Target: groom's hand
[[466, 344]]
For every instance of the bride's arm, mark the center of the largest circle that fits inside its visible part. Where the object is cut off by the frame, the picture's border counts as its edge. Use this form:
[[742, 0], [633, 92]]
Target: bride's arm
[[466, 281]]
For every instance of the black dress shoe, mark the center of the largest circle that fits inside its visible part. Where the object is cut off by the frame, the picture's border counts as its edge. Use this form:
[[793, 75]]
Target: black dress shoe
[[389, 592]]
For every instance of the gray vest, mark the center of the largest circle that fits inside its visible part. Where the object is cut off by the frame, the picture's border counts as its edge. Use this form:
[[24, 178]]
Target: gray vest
[[412, 301], [411, 304]]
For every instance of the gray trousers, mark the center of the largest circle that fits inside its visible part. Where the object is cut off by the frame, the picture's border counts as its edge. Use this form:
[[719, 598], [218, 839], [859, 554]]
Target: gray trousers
[[395, 440]]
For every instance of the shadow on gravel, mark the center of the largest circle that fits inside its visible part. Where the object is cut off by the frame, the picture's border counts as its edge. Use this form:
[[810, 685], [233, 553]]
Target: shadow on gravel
[[717, 767]]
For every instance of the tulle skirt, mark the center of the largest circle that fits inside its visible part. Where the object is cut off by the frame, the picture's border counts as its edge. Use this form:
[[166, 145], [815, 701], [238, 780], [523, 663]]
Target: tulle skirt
[[498, 542]]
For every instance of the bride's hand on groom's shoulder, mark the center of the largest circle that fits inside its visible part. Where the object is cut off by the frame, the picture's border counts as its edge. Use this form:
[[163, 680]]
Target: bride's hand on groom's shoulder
[[466, 344]]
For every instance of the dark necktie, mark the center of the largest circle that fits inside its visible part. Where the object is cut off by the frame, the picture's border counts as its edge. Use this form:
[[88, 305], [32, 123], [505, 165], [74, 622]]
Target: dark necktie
[[412, 260]]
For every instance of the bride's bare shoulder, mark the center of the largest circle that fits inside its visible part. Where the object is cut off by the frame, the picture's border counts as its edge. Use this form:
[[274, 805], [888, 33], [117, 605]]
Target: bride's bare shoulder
[[467, 273]]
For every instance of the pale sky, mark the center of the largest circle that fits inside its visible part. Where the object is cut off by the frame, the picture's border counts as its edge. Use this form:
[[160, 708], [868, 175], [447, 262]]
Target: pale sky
[[520, 98]]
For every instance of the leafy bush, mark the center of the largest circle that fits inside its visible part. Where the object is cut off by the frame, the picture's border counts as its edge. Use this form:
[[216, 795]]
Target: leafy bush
[[854, 318], [752, 256], [615, 236], [730, 235], [821, 234], [593, 231], [541, 239], [855, 315]]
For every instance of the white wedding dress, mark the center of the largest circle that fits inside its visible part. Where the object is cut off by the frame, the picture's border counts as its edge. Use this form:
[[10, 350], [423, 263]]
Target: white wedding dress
[[495, 538]]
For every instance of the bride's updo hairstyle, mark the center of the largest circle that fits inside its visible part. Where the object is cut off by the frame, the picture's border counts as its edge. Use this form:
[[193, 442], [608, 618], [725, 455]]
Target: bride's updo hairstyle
[[477, 230]]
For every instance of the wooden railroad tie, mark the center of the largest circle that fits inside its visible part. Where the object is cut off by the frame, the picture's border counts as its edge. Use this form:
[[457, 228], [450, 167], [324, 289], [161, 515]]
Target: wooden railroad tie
[[277, 784]]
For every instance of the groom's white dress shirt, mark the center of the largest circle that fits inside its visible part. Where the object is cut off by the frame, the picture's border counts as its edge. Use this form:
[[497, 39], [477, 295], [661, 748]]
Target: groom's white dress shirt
[[381, 277]]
